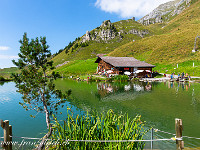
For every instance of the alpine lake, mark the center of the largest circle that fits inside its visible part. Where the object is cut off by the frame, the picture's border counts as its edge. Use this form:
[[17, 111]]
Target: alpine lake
[[159, 103]]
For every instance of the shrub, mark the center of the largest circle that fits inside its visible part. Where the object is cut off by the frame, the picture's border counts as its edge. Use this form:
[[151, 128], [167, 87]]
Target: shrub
[[110, 126], [2, 78], [84, 44], [121, 78]]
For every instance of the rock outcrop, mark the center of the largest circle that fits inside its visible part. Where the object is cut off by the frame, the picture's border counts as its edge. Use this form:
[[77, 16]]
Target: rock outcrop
[[62, 64], [138, 32], [107, 31], [164, 12]]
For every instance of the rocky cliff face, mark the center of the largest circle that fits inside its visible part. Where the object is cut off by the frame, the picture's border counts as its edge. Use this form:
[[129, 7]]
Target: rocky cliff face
[[165, 11], [107, 31]]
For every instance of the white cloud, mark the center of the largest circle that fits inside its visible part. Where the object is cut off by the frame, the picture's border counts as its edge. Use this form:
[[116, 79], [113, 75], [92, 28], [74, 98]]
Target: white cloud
[[6, 61], [4, 48], [8, 57], [129, 8]]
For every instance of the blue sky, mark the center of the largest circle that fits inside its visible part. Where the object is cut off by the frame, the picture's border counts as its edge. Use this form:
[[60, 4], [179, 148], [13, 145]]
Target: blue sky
[[61, 21]]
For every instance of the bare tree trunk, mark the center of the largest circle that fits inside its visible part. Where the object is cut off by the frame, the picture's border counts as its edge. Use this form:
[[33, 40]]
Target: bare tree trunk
[[49, 126], [43, 142]]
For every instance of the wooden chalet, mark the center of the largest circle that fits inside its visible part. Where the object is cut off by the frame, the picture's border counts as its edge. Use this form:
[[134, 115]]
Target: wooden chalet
[[123, 65]]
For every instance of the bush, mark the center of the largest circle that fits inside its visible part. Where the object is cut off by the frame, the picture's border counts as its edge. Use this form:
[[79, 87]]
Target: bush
[[2, 78], [121, 78], [91, 79], [84, 44], [110, 126]]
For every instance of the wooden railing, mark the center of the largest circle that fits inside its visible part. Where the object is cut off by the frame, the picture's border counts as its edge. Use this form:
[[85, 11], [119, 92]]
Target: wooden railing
[[7, 143]]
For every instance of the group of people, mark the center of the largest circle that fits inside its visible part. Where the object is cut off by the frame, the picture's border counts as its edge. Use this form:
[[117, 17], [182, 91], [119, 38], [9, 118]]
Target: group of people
[[147, 76], [181, 76]]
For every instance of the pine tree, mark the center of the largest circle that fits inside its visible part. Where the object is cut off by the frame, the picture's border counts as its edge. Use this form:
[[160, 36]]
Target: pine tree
[[35, 82]]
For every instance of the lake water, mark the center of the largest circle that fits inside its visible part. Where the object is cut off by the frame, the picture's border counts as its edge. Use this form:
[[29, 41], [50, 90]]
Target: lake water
[[159, 103]]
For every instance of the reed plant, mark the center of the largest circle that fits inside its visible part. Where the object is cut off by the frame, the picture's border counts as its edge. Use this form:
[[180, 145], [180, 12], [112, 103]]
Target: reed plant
[[99, 127]]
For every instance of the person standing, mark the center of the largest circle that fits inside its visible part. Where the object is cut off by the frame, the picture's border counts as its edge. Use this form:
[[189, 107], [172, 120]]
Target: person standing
[[189, 77], [172, 75], [182, 75]]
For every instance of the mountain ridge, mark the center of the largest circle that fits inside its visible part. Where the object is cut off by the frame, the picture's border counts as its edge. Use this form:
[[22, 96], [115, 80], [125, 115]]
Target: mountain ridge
[[165, 12]]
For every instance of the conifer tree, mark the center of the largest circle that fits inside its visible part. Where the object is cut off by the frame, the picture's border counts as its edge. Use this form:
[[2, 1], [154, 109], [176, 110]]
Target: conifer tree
[[36, 82]]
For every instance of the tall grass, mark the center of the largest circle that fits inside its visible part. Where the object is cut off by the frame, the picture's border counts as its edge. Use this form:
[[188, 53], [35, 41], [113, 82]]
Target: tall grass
[[109, 126]]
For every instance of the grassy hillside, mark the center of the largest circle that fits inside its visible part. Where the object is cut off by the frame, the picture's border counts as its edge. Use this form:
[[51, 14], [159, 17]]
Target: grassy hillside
[[78, 67], [81, 59], [6, 72], [96, 47], [174, 45]]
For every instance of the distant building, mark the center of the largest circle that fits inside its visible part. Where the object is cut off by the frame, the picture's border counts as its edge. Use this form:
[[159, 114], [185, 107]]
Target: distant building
[[123, 65]]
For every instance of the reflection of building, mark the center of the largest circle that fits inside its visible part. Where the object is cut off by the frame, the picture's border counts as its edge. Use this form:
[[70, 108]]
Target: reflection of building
[[123, 65], [127, 87], [122, 92], [138, 87], [104, 88], [148, 87], [108, 89]]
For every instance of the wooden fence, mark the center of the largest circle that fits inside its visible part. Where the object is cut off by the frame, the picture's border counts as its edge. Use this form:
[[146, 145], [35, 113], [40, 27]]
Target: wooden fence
[[7, 143]]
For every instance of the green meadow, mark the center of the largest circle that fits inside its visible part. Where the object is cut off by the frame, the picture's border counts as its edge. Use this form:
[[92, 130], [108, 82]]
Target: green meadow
[[6, 72], [78, 67]]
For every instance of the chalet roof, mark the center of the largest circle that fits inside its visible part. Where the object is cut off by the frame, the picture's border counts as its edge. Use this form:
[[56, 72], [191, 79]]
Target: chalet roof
[[124, 62]]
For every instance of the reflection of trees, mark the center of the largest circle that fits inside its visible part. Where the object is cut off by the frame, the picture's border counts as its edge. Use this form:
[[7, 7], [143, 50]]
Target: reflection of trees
[[1, 83]]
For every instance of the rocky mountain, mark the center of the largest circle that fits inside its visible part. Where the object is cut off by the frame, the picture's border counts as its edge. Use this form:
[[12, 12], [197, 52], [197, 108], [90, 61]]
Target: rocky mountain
[[165, 12]]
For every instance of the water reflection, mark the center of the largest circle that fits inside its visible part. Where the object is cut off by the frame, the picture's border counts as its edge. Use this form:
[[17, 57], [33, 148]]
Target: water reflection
[[105, 89], [159, 103], [2, 83], [178, 85]]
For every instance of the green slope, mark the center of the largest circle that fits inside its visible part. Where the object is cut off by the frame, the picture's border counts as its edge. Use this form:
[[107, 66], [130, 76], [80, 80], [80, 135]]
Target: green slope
[[6, 72], [78, 67], [174, 45], [96, 47]]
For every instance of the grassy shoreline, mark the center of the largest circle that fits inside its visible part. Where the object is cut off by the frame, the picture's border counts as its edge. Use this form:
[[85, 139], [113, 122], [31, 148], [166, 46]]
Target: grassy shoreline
[[5, 73], [2, 79]]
